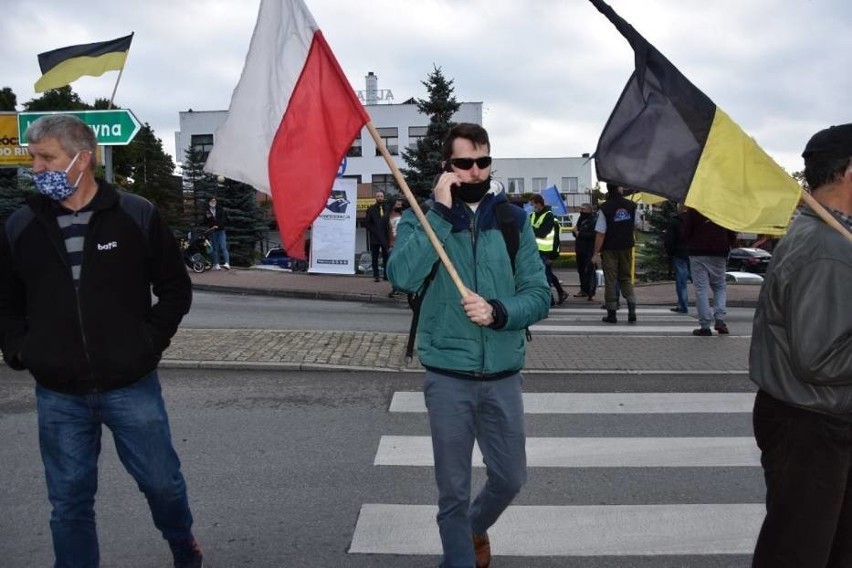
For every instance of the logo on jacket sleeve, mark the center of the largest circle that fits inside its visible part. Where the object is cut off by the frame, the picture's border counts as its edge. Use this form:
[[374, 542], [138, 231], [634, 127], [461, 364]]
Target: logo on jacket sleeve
[[108, 246]]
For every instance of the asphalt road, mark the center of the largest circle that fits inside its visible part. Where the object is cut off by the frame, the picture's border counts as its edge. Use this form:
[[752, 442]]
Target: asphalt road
[[232, 311], [280, 465]]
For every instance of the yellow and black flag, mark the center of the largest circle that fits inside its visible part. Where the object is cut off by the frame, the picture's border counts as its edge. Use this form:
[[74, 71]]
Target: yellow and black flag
[[64, 65], [668, 138]]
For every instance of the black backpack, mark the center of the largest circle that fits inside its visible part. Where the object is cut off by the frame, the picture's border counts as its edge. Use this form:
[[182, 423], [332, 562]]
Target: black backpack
[[511, 235]]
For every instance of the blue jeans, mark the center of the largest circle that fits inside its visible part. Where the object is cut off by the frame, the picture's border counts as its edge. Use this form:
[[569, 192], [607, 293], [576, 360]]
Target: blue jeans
[[681, 270], [70, 439], [708, 272], [219, 246], [492, 413]]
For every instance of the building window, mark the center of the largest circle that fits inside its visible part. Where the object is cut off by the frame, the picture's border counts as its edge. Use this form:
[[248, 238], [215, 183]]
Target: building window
[[355, 148], [416, 133], [390, 136], [202, 143], [383, 182], [516, 185], [569, 185], [539, 184]]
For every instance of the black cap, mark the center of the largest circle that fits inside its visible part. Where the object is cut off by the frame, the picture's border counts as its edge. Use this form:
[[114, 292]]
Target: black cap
[[834, 142]]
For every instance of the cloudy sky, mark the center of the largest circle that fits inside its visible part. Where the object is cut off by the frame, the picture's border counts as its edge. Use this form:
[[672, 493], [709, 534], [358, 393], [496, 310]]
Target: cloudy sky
[[548, 71]]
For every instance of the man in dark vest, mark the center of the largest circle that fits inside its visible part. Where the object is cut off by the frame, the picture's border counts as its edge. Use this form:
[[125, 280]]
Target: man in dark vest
[[614, 243]]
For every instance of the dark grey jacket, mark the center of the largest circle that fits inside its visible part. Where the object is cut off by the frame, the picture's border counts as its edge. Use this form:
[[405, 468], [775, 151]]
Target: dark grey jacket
[[801, 347]]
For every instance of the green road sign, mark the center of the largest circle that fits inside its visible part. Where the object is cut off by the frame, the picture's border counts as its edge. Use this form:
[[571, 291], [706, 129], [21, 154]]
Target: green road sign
[[112, 127]]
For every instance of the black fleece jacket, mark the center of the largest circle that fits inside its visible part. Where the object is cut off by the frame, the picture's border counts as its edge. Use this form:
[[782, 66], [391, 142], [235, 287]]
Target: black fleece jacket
[[104, 334]]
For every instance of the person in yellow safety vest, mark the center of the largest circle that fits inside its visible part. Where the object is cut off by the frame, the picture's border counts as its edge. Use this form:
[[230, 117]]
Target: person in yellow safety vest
[[546, 231]]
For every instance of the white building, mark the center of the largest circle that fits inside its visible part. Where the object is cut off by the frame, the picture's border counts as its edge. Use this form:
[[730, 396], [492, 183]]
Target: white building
[[401, 125]]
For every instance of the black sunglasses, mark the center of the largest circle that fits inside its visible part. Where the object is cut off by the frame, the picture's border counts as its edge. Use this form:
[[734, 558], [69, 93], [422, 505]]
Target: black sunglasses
[[467, 163]]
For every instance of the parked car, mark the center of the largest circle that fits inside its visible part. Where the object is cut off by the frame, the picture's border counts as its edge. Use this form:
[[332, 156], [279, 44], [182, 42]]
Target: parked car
[[276, 257], [748, 260]]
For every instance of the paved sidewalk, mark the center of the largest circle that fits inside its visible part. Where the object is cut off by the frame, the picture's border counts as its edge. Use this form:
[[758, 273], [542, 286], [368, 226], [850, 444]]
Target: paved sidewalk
[[362, 351]]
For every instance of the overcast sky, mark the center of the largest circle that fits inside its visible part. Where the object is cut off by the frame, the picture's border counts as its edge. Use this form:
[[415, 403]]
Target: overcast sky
[[548, 72]]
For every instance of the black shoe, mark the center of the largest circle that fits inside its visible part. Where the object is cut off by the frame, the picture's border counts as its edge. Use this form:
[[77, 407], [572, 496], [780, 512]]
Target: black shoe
[[702, 332], [678, 310], [376, 279], [722, 328], [562, 297], [610, 317], [186, 553]]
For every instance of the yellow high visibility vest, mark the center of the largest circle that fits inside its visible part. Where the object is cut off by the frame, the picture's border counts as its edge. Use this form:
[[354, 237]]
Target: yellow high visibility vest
[[545, 243]]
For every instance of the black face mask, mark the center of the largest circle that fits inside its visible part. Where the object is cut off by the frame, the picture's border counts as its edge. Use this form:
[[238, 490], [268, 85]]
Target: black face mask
[[397, 209], [472, 192]]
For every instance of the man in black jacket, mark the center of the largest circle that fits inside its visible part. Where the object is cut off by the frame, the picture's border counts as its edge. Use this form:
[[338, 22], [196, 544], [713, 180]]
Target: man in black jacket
[[79, 264], [377, 233], [217, 219], [584, 247]]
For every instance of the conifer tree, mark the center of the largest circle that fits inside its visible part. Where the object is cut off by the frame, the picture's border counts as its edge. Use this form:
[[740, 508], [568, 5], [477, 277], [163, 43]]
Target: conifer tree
[[247, 222], [424, 161]]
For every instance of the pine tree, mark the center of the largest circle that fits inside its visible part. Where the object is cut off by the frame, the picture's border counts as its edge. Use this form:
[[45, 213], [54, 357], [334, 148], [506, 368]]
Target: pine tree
[[656, 263], [247, 222], [8, 100], [62, 98], [198, 186], [424, 162], [143, 167], [11, 195]]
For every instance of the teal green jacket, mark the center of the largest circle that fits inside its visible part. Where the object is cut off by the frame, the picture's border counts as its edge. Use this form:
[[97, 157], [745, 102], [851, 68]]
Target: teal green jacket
[[447, 339]]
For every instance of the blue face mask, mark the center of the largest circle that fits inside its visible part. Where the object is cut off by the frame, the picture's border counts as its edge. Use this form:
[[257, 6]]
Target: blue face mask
[[54, 184]]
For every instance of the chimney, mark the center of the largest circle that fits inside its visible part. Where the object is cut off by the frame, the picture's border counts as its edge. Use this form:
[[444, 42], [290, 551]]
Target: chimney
[[372, 88]]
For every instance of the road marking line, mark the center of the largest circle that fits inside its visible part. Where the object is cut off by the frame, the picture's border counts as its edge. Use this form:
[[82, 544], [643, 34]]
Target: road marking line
[[609, 403], [598, 530], [593, 452]]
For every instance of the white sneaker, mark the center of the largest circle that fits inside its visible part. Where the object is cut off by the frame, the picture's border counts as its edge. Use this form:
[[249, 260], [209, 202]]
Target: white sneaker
[[217, 267], [226, 266]]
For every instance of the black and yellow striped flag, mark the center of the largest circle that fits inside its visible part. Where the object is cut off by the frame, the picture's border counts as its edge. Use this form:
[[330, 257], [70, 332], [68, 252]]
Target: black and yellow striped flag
[[64, 65], [668, 138]]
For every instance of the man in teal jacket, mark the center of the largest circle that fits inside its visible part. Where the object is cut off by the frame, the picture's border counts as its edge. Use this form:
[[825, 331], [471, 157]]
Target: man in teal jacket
[[472, 348]]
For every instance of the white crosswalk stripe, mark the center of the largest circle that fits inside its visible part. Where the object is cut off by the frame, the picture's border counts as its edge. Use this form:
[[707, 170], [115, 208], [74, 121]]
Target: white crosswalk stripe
[[589, 530], [609, 403], [614, 530], [587, 321]]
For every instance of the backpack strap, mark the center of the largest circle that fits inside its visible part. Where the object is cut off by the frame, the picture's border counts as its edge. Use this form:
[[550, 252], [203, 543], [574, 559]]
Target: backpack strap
[[507, 221], [414, 302], [509, 228]]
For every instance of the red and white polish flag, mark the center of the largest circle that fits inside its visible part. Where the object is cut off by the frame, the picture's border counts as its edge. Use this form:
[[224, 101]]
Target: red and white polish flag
[[292, 118]]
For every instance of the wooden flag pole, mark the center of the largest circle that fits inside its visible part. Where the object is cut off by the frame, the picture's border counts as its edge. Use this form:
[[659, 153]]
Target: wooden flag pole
[[825, 215], [433, 238]]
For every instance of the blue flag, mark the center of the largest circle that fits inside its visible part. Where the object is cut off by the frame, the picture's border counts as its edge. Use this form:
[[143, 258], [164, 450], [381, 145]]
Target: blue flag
[[554, 199]]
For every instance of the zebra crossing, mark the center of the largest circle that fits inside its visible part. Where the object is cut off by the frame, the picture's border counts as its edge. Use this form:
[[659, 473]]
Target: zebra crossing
[[623, 528], [587, 321]]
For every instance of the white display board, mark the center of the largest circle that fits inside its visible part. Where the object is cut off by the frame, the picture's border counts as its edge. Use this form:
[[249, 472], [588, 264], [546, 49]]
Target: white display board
[[333, 232]]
